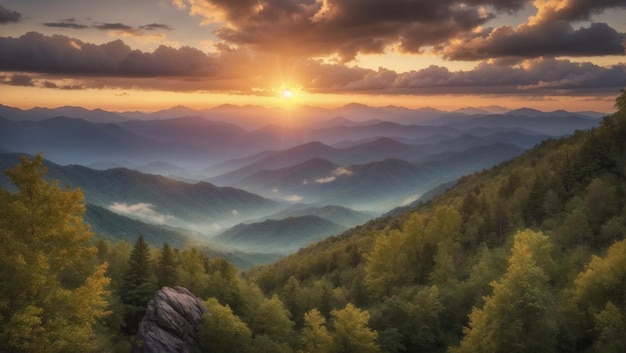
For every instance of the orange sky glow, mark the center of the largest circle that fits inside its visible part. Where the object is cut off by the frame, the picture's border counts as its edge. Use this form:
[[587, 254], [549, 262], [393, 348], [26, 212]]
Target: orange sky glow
[[446, 54]]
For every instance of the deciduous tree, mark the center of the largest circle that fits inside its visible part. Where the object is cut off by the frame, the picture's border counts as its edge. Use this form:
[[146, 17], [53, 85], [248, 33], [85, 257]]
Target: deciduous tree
[[50, 301]]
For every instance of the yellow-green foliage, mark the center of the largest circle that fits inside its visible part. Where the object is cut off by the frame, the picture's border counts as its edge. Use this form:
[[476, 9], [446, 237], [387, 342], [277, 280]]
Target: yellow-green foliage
[[50, 297]]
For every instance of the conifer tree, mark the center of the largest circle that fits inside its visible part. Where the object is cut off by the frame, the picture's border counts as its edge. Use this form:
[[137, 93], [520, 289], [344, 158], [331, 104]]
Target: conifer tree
[[166, 270], [138, 286], [50, 300]]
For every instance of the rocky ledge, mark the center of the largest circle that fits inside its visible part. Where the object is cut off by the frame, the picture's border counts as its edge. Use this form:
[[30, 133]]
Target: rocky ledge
[[171, 322]]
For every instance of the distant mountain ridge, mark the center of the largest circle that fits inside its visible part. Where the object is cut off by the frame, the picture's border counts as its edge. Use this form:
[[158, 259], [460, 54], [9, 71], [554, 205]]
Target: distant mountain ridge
[[156, 198], [188, 137], [285, 235]]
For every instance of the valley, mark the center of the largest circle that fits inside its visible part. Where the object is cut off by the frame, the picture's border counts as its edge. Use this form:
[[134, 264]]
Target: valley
[[218, 178]]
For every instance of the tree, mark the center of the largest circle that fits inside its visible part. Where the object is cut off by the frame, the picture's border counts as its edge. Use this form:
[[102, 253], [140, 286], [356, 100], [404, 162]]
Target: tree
[[315, 336], [138, 286], [166, 268], [270, 318], [518, 316], [351, 333], [387, 265], [222, 331], [192, 272], [293, 299], [599, 294], [50, 300], [620, 101]]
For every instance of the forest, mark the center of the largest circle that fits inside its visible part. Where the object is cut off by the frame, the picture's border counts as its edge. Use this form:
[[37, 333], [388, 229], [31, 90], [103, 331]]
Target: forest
[[527, 256]]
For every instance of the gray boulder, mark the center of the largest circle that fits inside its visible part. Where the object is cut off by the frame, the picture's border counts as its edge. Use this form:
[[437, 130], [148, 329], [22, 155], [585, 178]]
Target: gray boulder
[[171, 322]]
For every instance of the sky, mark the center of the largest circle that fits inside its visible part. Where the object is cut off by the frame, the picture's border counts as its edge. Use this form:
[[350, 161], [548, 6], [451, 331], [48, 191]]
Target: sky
[[154, 54]]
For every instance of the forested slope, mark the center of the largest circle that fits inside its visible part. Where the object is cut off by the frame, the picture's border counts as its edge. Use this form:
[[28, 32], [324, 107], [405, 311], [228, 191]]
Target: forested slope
[[526, 256]]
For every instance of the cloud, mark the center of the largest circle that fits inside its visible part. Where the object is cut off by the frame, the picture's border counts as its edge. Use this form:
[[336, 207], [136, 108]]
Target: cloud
[[344, 27], [142, 211], [125, 30], [35, 52], [572, 10], [114, 27], [66, 23], [550, 32], [532, 41], [73, 64], [9, 16], [527, 76], [156, 26], [340, 171], [325, 180], [21, 80], [292, 198]]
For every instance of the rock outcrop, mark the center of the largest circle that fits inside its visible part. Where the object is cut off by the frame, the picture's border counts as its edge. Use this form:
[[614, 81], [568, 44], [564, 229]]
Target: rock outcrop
[[171, 322]]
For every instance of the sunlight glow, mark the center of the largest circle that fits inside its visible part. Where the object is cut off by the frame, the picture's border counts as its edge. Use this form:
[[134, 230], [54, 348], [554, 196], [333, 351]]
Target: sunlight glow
[[287, 93]]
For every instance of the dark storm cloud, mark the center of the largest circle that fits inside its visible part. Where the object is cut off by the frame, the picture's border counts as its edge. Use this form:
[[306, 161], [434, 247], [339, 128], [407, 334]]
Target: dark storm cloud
[[66, 23], [9, 16], [544, 39], [35, 52]]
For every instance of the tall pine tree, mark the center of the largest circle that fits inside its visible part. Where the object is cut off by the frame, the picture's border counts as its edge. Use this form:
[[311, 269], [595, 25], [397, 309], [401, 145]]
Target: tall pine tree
[[138, 286], [166, 270]]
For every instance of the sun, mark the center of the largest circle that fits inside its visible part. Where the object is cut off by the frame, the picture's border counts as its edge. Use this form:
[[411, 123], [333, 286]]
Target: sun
[[287, 93]]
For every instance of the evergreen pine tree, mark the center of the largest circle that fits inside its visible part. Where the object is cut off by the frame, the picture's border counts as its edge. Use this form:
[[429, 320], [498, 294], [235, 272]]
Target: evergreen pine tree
[[137, 287], [166, 270]]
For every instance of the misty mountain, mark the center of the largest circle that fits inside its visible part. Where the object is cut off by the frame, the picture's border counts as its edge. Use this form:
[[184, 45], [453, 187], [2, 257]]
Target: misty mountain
[[557, 123], [73, 140], [337, 214], [160, 168], [196, 130], [110, 226], [114, 227], [157, 199], [375, 186], [199, 138], [38, 114], [285, 235], [282, 159], [370, 151]]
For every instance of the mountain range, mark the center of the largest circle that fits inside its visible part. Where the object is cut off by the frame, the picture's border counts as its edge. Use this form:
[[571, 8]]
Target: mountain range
[[186, 176]]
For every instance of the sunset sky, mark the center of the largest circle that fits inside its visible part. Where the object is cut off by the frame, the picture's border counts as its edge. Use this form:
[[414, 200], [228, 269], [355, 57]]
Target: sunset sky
[[447, 54]]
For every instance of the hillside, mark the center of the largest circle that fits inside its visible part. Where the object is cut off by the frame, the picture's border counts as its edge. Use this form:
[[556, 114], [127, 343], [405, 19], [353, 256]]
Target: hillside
[[156, 199], [375, 186], [334, 213], [111, 226], [538, 231], [284, 235]]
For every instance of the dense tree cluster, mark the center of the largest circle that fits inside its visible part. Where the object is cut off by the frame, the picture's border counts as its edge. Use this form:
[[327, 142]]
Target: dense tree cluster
[[528, 256]]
